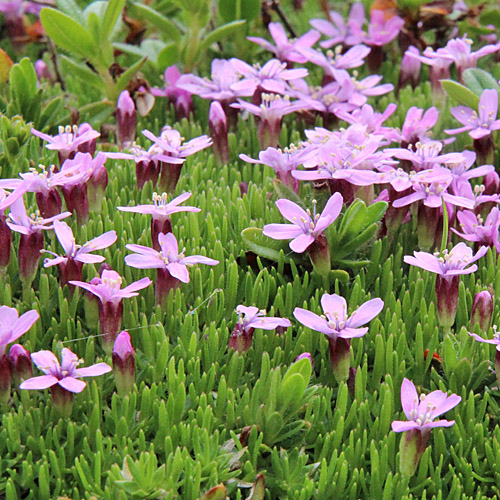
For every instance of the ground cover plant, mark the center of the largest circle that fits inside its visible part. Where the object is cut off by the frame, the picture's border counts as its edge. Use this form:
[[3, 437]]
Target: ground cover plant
[[249, 250]]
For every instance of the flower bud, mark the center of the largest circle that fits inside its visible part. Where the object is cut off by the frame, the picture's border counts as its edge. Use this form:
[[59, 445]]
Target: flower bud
[[410, 69], [340, 357], [43, 72], [413, 445], [123, 363], [5, 377], [217, 122], [126, 119], [447, 300], [20, 363], [491, 183], [305, 355], [482, 311], [29, 255]]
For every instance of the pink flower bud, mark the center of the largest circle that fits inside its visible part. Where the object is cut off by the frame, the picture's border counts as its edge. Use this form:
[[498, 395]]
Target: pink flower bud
[[217, 122], [20, 363], [410, 69], [447, 300], [29, 255], [305, 355], [491, 183], [123, 363], [482, 310], [5, 378], [43, 72], [126, 119]]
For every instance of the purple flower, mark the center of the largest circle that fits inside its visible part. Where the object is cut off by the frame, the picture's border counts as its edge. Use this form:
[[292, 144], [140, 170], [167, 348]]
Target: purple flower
[[20, 363], [449, 264], [339, 327], [69, 140], [270, 114], [417, 125], [179, 97], [171, 144], [272, 77], [335, 322], [483, 232], [459, 50], [283, 162], [168, 258], [249, 319], [305, 227], [353, 58], [65, 374], [481, 123], [12, 326], [161, 211], [219, 126], [338, 30], [219, 88], [31, 241], [70, 265], [422, 411], [108, 290], [410, 68], [285, 50]]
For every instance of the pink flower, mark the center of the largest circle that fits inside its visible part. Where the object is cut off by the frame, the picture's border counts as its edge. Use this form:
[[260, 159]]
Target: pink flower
[[12, 326], [422, 411], [335, 321], [481, 123], [449, 264], [69, 140], [168, 258], [284, 49], [305, 227], [65, 374]]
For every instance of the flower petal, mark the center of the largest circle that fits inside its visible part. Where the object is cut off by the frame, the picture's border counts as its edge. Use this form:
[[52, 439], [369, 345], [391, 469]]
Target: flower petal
[[93, 371], [72, 384], [39, 383], [365, 313], [312, 321]]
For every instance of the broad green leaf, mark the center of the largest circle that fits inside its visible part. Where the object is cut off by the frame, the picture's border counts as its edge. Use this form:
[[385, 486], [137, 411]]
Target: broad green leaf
[[67, 33], [220, 33], [48, 116], [105, 33], [302, 367], [168, 55], [461, 94], [353, 220], [215, 493], [490, 16], [157, 20], [232, 10], [479, 80], [125, 77], [71, 8], [82, 71], [111, 16], [375, 212]]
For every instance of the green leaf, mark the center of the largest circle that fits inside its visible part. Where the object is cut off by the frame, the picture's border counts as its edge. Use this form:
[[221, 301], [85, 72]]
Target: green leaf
[[375, 212], [479, 80], [283, 191], [353, 220], [258, 490], [220, 33], [125, 77], [461, 94], [111, 16], [264, 246], [159, 21], [168, 55], [215, 493], [68, 33], [491, 16], [71, 8], [231, 10], [82, 71]]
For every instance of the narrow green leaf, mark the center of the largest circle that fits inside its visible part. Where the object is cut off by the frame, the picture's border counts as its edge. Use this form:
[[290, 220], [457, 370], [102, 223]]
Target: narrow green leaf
[[68, 33], [111, 15], [82, 71], [461, 94], [125, 77], [220, 33]]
